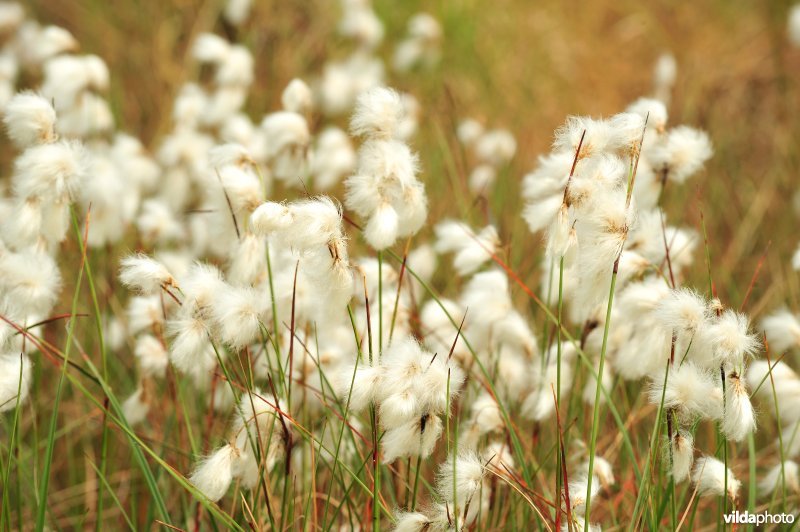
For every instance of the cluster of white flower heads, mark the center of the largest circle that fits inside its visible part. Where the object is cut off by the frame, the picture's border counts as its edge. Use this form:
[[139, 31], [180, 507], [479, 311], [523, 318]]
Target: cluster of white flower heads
[[411, 388], [597, 199], [384, 188], [47, 177]]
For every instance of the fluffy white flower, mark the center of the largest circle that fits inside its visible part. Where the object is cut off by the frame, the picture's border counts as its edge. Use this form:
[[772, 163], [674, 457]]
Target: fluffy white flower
[[210, 48], [377, 114], [296, 97], [142, 273], [416, 437], [30, 120], [53, 171], [654, 110], [682, 455], [682, 153], [30, 279], [152, 355], [213, 475], [665, 72], [237, 11], [710, 476], [578, 488], [238, 314], [783, 331], [496, 147], [603, 471], [15, 377], [135, 408], [412, 522], [732, 343], [690, 390], [738, 419], [381, 229], [459, 482]]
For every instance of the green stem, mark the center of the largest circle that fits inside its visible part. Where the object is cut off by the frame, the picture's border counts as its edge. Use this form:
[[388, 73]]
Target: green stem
[[559, 480], [48, 461], [596, 413]]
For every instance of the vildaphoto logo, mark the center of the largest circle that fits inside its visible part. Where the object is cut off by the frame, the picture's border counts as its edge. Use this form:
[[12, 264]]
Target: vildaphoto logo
[[764, 518]]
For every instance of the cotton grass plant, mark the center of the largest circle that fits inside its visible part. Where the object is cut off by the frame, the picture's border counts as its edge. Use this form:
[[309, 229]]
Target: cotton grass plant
[[270, 321]]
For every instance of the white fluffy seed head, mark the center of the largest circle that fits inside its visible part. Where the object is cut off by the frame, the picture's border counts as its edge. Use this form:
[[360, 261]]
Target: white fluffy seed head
[[683, 311], [213, 475], [377, 114], [285, 129], [200, 286], [317, 223], [412, 209], [359, 22], [152, 356], [30, 119], [210, 48], [690, 390], [457, 481], [190, 350], [30, 280], [237, 11], [15, 377], [654, 110], [469, 131], [730, 338], [135, 408], [485, 414], [709, 475], [38, 44], [54, 172], [381, 229], [297, 97], [599, 136], [783, 331], [270, 217], [142, 273], [237, 313], [412, 522], [739, 419], [577, 493], [682, 455], [229, 154], [471, 250], [416, 437], [496, 147], [236, 70], [628, 130], [603, 470], [682, 153], [665, 72], [366, 382]]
